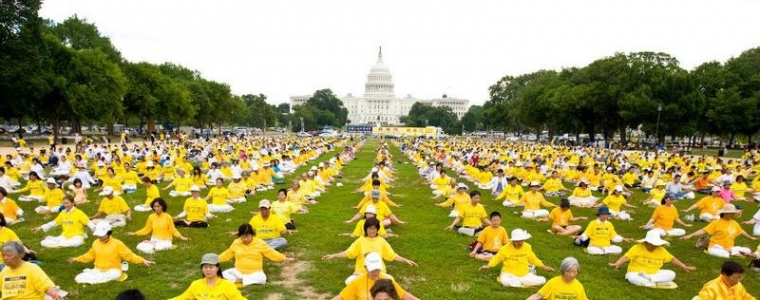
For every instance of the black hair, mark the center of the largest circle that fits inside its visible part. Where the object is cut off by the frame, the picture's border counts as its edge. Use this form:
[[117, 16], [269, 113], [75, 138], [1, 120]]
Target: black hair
[[218, 271], [370, 223], [3, 191], [285, 191], [730, 268], [35, 175], [474, 193], [246, 228], [494, 214], [70, 198], [77, 180], [564, 203], [161, 202], [384, 286], [2, 220], [133, 294]]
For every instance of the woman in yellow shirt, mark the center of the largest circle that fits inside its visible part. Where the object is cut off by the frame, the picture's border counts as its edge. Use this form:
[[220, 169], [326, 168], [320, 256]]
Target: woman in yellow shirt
[[561, 217], [72, 222], [516, 258], [248, 252], [582, 196], [195, 212], [36, 189], [565, 286], [663, 218], [212, 285], [553, 186], [162, 226], [107, 252], [219, 196], [739, 187], [151, 192], [727, 286], [723, 233], [646, 261]]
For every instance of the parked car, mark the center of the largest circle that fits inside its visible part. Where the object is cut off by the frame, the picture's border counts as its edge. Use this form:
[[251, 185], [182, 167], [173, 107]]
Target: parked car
[[303, 134]]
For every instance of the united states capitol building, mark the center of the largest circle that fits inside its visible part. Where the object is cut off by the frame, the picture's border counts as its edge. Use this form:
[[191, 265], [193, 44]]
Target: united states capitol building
[[379, 105]]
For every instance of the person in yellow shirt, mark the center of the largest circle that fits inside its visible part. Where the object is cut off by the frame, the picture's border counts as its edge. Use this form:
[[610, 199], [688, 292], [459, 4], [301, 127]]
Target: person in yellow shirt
[[615, 202], [9, 208], [237, 189], [181, 185], [663, 218], [72, 221], [708, 206], [553, 186], [369, 213], [631, 179], [517, 256], [646, 260], [36, 188], [374, 283], [269, 227], [458, 200], [490, 240], [212, 285], [284, 209], [565, 286], [24, 280], [370, 242], [53, 198], [384, 213], [248, 252], [162, 226], [195, 212], [723, 233], [130, 179], [107, 252], [219, 196], [114, 208], [582, 196], [512, 193], [656, 195], [740, 188], [472, 215], [151, 192], [727, 286], [561, 217], [600, 234], [533, 201]]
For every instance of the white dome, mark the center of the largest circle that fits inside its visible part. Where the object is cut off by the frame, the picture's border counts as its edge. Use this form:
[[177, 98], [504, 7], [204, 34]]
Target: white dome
[[379, 80]]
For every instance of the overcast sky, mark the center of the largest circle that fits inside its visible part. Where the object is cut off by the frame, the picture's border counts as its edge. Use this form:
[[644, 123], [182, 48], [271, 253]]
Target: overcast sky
[[284, 48]]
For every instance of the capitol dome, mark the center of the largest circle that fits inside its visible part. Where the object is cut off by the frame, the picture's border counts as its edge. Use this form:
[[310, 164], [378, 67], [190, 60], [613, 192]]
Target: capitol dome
[[379, 81]]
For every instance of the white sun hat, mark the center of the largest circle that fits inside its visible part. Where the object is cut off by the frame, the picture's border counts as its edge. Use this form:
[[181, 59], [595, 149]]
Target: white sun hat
[[654, 237], [519, 235]]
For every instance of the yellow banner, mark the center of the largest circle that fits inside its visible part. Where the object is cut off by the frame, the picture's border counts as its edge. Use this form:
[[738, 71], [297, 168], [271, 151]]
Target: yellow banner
[[405, 131]]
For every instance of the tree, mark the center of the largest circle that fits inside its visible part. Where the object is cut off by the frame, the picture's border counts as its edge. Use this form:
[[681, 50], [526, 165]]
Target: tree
[[473, 118], [79, 34], [259, 113], [333, 112]]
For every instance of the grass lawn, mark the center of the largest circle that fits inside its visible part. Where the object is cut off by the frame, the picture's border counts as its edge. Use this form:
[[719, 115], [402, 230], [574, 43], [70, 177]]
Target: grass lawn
[[445, 271]]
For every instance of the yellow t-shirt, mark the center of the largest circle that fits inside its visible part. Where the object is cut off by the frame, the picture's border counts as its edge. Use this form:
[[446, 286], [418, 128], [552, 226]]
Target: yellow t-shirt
[[515, 261], [117, 205], [383, 211], [359, 289], [248, 258], [581, 193], [557, 289], [511, 193], [196, 209], [493, 239], [600, 233], [182, 184], [718, 289], [359, 229], [553, 185], [363, 245], [723, 232], [237, 189], [284, 209], [614, 203], [162, 227], [641, 260], [54, 197], [28, 281], [7, 235], [221, 289], [267, 229], [108, 255], [710, 205], [151, 193], [472, 216], [664, 216], [72, 222], [219, 195], [559, 217]]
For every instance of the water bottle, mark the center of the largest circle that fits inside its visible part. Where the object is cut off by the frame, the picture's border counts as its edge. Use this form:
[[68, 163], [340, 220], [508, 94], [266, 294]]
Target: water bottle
[[124, 266]]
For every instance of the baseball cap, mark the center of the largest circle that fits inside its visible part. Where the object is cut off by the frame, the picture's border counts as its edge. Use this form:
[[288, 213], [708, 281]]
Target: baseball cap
[[101, 229], [373, 261], [210, 258], [106, 191], [265, 203], [195, 188]]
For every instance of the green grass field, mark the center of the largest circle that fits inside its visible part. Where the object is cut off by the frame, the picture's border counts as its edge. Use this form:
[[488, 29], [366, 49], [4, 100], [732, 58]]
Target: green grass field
[[445, 271]]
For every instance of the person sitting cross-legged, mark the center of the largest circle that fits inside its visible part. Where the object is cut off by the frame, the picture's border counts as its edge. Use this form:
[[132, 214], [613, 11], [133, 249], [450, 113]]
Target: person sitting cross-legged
[[516, 258], [646, 260]]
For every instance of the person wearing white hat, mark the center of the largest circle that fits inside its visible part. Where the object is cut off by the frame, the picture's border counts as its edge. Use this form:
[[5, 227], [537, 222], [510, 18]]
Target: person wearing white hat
[[533, 200], [369, 213], [723, 233], [269, 227], [615, 201], [370, 242], [646, 260], [181, 185], [457, 200], [114, 208], [212, 285], [516, 258], [195, 212], [663, 218], [362, 286], [384, 213], [107, 252], [220, 197], [237, 189], [53, 198], [72, 221], [708, 206]]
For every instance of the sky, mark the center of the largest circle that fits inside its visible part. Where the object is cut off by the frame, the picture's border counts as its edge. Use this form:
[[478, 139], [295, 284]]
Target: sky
[[458, 48]]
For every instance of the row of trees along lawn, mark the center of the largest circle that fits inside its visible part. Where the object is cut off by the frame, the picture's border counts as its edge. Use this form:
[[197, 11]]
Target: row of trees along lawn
[[69, 73], [624, 91]]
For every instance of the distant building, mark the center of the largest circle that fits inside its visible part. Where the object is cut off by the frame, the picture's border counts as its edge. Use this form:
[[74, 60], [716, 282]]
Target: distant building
[[379, 104]]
